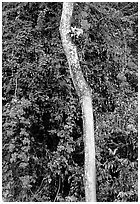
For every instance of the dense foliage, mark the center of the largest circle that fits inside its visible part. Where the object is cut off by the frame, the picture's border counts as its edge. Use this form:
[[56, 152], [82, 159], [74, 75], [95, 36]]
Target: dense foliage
[[43, 151]]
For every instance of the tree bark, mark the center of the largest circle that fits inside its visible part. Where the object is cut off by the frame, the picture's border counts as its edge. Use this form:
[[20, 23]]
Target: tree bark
[[85, 97]]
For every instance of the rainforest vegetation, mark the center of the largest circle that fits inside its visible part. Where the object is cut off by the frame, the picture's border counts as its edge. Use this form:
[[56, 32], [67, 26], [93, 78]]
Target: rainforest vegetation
[[42, 135]]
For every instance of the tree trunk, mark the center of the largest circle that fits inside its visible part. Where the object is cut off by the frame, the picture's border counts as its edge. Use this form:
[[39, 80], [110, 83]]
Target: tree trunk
[[84, 93]]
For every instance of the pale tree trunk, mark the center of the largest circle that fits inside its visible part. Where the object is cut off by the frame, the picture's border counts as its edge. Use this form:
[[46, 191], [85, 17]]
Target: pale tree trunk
[[84, 93]]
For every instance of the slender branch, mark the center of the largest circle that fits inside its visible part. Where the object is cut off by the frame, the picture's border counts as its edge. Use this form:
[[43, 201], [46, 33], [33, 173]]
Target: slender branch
[[59, 184], [35, 195], [16, 87]]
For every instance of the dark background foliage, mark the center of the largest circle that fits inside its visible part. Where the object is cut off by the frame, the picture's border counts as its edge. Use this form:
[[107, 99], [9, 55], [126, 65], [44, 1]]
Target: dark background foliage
[[43, 150]]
